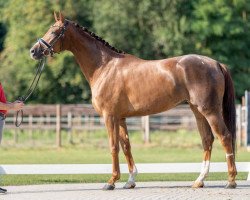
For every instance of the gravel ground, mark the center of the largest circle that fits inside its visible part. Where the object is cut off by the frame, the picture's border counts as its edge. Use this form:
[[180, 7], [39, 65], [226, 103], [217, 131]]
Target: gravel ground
[[144, 190]]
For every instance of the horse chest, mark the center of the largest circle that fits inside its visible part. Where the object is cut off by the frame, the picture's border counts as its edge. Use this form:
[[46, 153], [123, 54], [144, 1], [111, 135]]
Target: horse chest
[[105, 99]]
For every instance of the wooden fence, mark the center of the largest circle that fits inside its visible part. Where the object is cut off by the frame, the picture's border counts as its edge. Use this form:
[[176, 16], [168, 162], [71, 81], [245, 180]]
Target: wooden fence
[[243, 121], [82, 117]]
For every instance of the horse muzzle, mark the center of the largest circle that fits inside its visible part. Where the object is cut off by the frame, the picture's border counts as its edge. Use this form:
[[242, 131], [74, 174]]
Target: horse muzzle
[[36, 53]]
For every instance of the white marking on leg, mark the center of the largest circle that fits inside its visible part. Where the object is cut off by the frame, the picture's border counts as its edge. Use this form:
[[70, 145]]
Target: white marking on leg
[[204, 171], [229, 154], [133, 175]]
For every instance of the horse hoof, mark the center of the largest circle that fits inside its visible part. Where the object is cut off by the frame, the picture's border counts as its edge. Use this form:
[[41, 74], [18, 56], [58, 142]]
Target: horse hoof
[[108, 187], [198, 184], [231, 185], [129, 185]]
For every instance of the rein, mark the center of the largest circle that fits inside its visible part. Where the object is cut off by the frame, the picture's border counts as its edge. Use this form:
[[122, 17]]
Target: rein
[[31, 89], [48, 50]]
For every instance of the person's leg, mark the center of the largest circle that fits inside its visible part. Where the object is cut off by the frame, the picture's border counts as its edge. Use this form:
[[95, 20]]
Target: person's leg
[[1, 129], [2, 190], [1, 134]]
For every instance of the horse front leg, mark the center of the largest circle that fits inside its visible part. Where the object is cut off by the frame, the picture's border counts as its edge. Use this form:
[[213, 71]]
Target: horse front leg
[[125, 144], [112, 125]]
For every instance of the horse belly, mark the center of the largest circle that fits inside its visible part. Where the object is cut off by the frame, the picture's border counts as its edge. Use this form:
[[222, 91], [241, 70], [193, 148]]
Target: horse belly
[[154, 96]]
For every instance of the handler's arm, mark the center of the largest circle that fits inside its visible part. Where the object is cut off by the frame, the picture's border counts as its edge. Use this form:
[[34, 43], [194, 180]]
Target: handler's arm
[[17, 105]]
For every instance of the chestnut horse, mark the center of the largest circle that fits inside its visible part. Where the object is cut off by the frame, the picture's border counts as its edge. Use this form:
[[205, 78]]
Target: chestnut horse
[[124, 85]]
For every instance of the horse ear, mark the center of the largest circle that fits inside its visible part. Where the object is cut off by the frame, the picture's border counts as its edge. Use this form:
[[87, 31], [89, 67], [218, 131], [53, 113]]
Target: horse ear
[[61, 17], [55, 15]]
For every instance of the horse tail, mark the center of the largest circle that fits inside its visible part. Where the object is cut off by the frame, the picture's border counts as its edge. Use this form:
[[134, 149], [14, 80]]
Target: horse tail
[[229, 111]]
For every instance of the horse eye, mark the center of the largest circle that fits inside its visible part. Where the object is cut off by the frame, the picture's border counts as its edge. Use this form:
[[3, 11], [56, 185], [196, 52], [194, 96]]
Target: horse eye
[[53, 33]]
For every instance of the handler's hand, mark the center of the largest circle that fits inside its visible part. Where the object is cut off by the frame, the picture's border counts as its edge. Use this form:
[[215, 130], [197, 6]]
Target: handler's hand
[[17, 105]]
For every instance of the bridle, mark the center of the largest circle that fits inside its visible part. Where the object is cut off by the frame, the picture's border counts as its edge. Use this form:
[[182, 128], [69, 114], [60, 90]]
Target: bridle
[[48, 50]]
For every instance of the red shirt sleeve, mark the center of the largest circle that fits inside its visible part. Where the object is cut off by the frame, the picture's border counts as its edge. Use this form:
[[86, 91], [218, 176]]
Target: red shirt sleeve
[[2, 98]]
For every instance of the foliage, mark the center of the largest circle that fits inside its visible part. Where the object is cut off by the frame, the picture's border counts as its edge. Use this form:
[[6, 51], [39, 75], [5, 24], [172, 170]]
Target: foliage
[[223, 30], [28, 22], [2, 35], [149, 29]]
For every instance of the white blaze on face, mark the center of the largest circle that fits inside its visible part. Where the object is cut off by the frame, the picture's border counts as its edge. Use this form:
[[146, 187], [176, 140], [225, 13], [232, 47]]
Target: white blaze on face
[[204, 170], [133, 175], [36, 44]]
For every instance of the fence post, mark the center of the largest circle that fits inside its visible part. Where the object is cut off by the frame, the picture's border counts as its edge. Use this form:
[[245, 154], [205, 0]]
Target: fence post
[[16, 131], [238, 124], [247, 111], [30, 127], [70, 137], [243, 122], [58, 126], [87, 122], [145, 129]]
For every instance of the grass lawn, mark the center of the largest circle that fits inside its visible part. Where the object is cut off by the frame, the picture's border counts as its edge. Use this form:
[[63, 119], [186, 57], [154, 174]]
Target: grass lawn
[[180, 146]]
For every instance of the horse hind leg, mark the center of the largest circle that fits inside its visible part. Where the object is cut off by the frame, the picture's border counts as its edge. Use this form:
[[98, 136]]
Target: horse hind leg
[[219, 128], [125, 144], [207, 142]]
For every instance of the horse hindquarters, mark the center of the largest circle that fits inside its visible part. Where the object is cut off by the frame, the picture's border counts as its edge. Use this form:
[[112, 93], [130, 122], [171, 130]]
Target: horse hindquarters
[[224, 125], [217, 106], [211, 90]]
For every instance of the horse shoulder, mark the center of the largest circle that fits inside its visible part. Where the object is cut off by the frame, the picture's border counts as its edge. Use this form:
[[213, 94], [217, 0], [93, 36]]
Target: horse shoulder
[[106, 91]]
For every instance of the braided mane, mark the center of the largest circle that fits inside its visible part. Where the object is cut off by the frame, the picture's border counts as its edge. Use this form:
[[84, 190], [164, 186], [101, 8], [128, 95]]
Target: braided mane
[[96, 37]]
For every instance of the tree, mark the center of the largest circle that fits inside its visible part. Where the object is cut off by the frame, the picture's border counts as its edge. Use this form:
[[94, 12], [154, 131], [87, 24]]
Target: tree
[[222, 30], [26, 21], [3, 30], [2, 35], [148, 29]]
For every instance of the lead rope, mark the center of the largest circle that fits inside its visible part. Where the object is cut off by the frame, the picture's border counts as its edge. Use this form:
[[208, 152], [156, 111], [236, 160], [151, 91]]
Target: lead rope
[[31, 89]]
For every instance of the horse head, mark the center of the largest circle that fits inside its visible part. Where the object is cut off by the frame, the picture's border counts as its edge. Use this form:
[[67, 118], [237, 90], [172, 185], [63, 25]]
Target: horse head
[[52, 41]]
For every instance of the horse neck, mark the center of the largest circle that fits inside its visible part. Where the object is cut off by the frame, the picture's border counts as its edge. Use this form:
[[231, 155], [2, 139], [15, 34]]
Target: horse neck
[[90, 55]]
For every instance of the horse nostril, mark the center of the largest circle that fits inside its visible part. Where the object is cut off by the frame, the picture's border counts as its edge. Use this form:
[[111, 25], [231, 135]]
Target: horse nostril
[[32, 51]]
